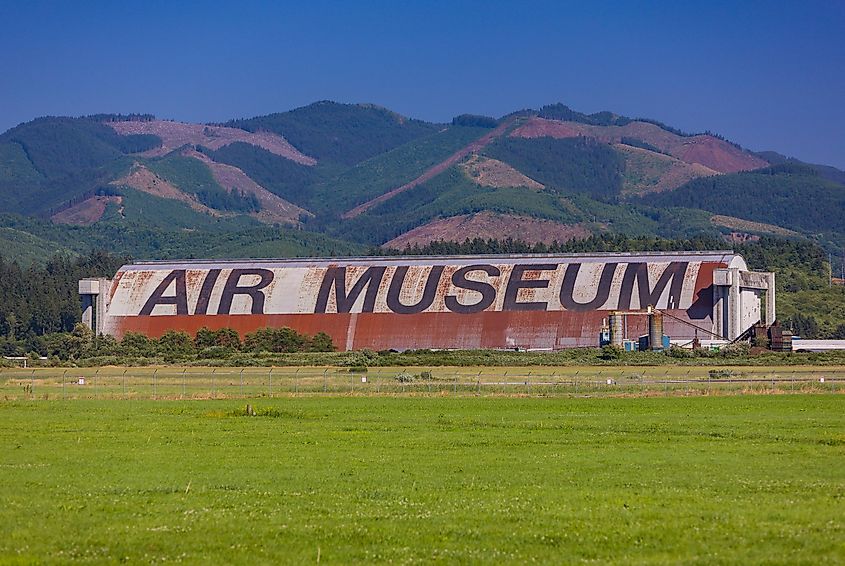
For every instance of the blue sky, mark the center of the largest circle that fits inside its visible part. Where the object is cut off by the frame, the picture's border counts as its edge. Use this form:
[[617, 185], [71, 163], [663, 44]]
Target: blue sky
[[768, 75]]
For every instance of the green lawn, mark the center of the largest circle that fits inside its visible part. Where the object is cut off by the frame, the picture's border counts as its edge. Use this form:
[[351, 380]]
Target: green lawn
[[343, 479]]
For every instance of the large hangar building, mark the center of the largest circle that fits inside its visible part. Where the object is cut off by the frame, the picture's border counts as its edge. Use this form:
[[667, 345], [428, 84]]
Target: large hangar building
[[504, 301]]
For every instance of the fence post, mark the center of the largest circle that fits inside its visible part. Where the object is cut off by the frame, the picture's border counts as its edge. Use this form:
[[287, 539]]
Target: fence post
[[270, 381], [155, 392], [184, 371], [242, 382], [325, 380], [124, 383], [32, 384], [528, 382], [213, 384], [63, 383]]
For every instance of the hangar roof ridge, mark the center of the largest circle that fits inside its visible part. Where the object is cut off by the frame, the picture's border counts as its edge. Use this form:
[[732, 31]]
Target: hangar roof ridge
[[419, 258]]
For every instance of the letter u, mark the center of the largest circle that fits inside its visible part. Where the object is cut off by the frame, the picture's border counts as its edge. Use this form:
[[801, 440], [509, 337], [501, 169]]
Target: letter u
[[567, 290]]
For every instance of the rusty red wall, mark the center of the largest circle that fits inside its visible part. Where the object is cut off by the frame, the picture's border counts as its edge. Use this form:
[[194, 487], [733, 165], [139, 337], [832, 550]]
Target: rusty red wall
[[544, 302]]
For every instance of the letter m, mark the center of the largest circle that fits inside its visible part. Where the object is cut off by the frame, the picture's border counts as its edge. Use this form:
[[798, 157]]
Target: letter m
[[638, 273], [336, 278]]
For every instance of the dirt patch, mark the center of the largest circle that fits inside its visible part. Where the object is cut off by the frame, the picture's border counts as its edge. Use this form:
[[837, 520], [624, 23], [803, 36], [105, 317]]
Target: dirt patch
[[494, 173], [142, 179], [650, 172], [713, 153], [177, 134], [273, 208], [488, 225], [86, 212], [750, 226], [432, 172]]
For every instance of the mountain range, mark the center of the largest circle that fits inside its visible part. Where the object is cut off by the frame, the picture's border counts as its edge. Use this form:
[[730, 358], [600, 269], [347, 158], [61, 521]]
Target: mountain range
[[333, 178]]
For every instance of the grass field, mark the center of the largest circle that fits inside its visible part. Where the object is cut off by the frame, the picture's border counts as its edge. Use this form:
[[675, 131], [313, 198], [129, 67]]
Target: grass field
[[174, 382], [460, 479]]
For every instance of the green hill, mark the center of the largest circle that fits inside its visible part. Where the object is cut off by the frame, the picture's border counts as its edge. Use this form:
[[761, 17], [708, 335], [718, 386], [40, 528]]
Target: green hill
[[572, 165], [49, 161], [593, 170], [789, 195], [340, 133]]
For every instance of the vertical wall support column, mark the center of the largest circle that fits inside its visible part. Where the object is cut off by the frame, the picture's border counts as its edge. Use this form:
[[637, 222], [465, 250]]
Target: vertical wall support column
[[771, 313], [88, 310], [101, 309], [734, 305]]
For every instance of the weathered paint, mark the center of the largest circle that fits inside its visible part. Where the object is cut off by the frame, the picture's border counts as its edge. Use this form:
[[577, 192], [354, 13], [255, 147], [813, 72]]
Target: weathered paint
[[538, 301]]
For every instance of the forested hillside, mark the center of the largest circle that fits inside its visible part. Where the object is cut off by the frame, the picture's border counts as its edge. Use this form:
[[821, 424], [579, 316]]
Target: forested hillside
[[340, 133], [791, 195], [334, 178]]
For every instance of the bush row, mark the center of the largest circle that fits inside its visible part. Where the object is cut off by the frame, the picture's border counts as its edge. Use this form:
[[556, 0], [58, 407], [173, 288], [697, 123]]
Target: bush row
[[172, 346]]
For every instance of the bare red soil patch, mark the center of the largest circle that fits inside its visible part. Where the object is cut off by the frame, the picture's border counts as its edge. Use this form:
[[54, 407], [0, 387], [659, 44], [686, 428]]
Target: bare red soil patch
[[432, 172], [650, 172], [706, 150], [273, 207], [488, 225], [494, 173], [142, 179], [177, 134], [86, 212]]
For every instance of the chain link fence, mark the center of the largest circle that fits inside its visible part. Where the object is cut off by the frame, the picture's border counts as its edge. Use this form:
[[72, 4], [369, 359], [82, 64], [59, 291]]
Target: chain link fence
[[228, 383]]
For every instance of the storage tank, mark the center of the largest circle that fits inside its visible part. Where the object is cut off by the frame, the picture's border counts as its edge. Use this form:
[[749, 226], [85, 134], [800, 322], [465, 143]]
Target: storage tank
[[503, 301], [655, 330]]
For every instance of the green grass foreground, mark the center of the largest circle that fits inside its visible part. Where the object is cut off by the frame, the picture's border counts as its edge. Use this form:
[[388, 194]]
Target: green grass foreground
[[719, 479]]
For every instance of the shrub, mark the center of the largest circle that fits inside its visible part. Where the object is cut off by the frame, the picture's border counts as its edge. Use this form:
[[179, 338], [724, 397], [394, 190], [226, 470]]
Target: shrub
[[736, 350], [720, 373], [224, 337], [137, 345], [361, 358], [321, 342], [275, 340], [205, 338], [227, 338], [214, 352], [405, 377], [175, 344], [611, 352], [680, 353]]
